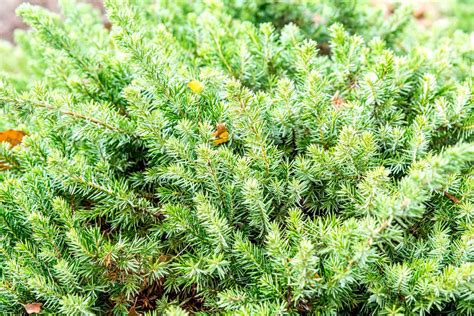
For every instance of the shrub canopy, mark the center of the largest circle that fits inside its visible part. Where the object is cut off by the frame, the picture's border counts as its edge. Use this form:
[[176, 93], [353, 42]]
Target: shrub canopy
[[236, 157]]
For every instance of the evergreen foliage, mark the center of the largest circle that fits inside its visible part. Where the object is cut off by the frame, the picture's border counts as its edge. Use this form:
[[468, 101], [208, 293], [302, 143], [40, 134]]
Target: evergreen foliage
[[236, 157]]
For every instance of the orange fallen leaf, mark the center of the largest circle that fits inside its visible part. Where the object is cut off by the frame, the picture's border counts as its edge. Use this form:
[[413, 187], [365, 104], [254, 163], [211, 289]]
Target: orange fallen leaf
[[221, 134], [420, 11], [33, 308], [12, 136], [223, 139], [220, 129], [337, 101]]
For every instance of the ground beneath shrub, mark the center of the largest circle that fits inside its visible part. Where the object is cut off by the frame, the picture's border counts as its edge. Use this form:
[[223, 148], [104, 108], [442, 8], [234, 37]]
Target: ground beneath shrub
[[9, 21], [424, 10]]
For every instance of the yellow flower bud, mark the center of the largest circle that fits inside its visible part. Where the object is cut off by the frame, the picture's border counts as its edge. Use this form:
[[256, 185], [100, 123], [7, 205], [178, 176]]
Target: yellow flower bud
[[196, 86]]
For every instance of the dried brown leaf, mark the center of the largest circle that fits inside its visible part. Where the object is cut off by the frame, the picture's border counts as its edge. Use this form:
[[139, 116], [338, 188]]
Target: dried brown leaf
[[13, 137], [33, 308]]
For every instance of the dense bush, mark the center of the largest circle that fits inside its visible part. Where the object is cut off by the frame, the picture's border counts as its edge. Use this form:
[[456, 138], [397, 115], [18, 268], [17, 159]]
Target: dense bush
[[195, 159]]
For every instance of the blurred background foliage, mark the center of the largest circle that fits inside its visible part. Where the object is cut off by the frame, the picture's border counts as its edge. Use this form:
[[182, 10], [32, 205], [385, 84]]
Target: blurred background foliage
[[445, 14]]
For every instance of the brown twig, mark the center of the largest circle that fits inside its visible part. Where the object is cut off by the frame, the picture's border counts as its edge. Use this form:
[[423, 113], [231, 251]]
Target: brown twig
[[452, 197]]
